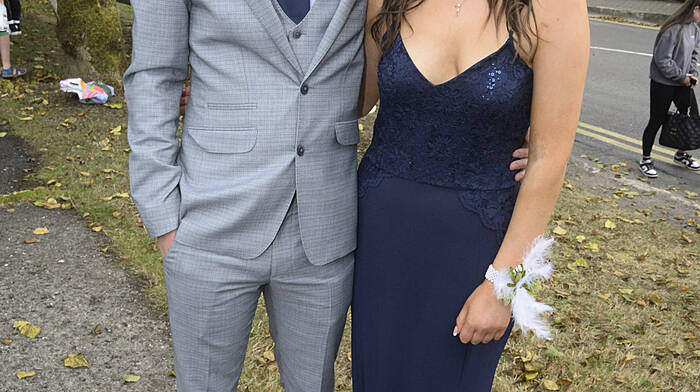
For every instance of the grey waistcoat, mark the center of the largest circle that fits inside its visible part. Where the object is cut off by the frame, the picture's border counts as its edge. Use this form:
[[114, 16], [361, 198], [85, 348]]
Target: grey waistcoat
[[272, 113]]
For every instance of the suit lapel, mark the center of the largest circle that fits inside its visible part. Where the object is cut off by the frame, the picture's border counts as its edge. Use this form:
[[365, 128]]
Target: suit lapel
[[266, 14], [334, 28]]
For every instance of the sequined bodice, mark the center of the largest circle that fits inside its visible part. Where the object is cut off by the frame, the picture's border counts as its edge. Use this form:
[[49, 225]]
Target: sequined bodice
[[458, 134]]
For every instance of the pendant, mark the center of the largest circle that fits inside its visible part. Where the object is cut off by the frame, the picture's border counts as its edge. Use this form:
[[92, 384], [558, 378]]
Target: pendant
[[458, 7]]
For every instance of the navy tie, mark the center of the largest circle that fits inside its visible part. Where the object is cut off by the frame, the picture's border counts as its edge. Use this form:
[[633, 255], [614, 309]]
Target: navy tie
[[296, 10]]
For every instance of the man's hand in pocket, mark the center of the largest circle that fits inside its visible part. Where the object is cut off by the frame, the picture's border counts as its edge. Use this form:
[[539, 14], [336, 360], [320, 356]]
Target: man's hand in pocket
[[165, 241]]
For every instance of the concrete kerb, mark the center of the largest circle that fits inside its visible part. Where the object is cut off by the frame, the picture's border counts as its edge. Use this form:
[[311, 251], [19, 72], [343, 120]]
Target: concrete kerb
[[642, 16]]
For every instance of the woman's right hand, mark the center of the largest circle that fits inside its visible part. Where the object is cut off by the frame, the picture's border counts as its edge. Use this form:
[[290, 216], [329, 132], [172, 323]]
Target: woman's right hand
[[686, 81]]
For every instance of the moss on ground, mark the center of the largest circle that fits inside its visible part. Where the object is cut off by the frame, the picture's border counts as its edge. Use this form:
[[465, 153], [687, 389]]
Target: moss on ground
[[91, 30]]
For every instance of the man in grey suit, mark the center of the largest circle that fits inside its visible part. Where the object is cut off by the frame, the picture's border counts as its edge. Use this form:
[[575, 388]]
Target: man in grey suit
[[261, 194]]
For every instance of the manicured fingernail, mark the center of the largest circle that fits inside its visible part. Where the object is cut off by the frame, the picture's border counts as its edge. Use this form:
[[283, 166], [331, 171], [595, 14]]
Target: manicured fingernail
[[455, 331]]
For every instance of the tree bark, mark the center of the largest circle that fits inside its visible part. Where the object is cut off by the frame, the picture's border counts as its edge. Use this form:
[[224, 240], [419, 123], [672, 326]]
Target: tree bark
[[90, 33]]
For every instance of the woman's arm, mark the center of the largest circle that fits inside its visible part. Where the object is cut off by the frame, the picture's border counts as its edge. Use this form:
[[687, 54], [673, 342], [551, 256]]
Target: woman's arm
[[559, 67], [369, 92], [663, 54]]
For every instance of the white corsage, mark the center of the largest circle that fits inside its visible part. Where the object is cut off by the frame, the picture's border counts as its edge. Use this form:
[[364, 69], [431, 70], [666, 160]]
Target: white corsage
[[515, 285]]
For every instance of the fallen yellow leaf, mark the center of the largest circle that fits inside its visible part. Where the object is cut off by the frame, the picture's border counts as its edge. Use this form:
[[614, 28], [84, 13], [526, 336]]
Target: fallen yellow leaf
[[97, 229], [116, 196], [129, 378], [26, 328], [19, 323], [592, 246], [550, 385], [610, 224], [531, 375], [76, 361], [22, 375], [41, 231], [3, 134], [30, 331], [559, 230], [52, 204]]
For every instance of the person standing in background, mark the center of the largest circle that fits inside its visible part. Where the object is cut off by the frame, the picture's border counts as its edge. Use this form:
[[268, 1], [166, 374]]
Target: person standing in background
[[674, 74], [15, 13], [9, 71]]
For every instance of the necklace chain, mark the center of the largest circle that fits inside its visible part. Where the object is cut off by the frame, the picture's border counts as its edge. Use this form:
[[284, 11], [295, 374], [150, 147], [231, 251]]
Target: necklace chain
[[458, 6]]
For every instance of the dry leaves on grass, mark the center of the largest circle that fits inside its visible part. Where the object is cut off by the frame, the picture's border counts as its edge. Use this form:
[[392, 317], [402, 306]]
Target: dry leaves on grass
[[124, 195]]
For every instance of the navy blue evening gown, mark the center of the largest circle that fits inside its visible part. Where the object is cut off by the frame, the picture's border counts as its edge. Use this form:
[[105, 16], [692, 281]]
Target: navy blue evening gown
[[435, 199]]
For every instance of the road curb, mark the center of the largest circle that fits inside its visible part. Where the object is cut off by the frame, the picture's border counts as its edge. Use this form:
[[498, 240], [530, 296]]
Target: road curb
[[643, 16]]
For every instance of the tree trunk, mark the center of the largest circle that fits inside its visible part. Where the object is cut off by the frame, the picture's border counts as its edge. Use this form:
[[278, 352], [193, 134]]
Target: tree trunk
[[90, 32]]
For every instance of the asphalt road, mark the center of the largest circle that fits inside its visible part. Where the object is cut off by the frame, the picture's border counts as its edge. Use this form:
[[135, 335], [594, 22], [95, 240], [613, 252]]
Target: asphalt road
[[616, 103]]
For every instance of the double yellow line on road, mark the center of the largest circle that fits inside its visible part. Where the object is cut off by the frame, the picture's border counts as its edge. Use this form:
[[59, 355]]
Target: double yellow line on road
[[625, 142]]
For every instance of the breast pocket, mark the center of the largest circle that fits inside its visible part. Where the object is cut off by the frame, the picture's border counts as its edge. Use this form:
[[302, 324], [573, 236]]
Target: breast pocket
[[224, 141]]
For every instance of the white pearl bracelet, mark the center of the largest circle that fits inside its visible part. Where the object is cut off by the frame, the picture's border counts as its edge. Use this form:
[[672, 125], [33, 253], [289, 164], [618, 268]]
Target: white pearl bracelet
[[491, 274]]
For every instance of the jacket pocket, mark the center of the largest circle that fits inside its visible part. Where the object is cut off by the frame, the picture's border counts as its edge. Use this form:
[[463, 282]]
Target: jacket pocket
[[224, 141], [347, 133]]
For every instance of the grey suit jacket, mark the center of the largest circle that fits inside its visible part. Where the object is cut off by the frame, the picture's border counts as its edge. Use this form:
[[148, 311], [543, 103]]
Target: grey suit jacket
[[259, 128]]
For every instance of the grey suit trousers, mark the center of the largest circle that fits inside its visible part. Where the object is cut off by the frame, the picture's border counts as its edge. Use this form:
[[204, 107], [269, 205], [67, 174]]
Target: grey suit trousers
[[212, 299]]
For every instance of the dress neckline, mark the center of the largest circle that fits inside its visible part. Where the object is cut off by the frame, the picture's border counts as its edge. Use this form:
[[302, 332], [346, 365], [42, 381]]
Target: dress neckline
[[459, 76]]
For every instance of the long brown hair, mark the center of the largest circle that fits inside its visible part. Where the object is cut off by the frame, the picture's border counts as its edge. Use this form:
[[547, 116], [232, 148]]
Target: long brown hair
[[682, 15], [518, 15]]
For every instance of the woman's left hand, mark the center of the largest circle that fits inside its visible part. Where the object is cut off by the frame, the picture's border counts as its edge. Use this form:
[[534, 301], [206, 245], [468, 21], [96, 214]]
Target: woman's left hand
[[483, 317]]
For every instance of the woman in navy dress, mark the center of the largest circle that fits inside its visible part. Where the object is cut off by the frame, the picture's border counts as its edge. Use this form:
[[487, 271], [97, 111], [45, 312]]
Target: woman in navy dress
[[460, 83]]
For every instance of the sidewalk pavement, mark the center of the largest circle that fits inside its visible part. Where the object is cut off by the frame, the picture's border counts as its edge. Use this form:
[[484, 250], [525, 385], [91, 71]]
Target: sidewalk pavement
[[67, 286], [648, 11]]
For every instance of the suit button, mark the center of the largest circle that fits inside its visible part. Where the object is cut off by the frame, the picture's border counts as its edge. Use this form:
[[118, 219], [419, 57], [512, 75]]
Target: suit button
[[304, 89], [300, 151], [296, 34]]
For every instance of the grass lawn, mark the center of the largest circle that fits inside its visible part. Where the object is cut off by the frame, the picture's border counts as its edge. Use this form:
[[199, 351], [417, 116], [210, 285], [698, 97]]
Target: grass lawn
[[625, 290]]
